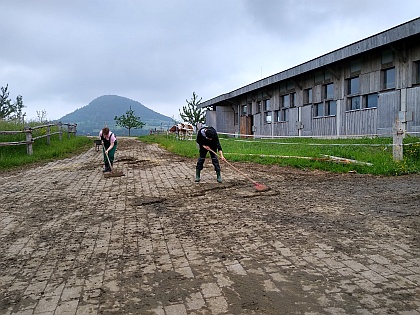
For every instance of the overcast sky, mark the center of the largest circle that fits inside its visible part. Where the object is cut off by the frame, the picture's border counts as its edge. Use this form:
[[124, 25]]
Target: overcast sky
[[62, 54]]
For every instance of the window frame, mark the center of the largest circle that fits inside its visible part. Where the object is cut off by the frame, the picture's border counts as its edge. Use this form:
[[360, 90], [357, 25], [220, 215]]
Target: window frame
[[308, 96], [293, 99], [350, 91], [385, 84], [285, 114], [387, 57], [354, 100], [277, 115], [281, 115], [416, 72], [268, 119], [244, 110], [285, 101], [355, 66], [327, 95], [365, 101], [317, 108], [257, 107], [328, 108], [266, 105]]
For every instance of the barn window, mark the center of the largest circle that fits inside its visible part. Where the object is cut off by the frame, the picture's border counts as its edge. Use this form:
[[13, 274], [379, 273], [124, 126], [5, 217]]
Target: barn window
[[319, 76], [287, 86], [318, 109], [266, 105], [354, 103], [417, 72], [355, 66], [389, 78], [307, 96], [285, 114], [277, 116], [244, 110], [290, 85], [387, 57], [292, 99], [267, 117], [331, 108], [285, 101], [329, 91], [258, 107], [370, 100], [353, 86], [288, 100], [281, 115]]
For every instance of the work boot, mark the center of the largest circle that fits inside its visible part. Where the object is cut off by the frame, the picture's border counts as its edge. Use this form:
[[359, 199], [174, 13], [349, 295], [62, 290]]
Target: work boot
[[106, 168], [219, 177], [197, 175]]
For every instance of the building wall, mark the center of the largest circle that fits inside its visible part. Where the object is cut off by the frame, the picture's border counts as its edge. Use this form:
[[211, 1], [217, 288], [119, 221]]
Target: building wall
[[301, 118]]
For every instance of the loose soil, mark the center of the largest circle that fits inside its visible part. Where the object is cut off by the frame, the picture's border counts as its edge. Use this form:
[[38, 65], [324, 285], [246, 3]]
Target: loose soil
[[152, 239]]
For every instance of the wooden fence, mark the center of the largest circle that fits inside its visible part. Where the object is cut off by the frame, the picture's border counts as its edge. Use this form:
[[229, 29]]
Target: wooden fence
[[71, 129]]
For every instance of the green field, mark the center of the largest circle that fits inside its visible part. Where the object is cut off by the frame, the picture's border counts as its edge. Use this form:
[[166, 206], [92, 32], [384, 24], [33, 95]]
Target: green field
[[364, 155], [16, 155]]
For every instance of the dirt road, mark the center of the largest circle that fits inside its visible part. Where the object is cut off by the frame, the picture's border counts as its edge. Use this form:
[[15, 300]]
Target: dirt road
[[156, 242]]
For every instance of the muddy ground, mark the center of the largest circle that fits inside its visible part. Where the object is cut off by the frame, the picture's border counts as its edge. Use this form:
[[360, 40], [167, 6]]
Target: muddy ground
[[155, 242]]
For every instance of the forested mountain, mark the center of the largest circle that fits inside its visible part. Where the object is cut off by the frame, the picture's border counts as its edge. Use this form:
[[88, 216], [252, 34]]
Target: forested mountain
[[101, 111]]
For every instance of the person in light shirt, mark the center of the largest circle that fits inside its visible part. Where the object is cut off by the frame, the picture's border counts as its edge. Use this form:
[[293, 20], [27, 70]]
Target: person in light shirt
[[109, 141]]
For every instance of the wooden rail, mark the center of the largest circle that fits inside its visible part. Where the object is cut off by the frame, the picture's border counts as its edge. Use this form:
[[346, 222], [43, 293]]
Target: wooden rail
[[71, 129]]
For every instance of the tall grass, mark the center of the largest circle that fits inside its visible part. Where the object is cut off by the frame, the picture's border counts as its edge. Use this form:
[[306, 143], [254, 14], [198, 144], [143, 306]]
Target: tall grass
[[365, 155], [16, 155]]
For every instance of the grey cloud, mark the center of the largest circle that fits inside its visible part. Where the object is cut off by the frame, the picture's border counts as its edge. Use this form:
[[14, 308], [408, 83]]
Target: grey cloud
[[60, 55]]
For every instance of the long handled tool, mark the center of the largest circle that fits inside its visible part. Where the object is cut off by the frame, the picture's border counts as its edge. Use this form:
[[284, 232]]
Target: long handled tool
[[257, 186], [112, 173]]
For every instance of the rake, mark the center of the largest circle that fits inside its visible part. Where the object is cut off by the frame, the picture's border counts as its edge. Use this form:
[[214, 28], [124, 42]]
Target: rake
[[113, 173], [257, 186]]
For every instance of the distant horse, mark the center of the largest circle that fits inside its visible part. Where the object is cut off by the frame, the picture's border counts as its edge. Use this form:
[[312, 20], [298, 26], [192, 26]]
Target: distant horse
[[183, 131]]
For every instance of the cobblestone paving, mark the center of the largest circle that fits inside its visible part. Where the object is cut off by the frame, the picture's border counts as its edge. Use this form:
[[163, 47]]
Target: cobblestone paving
[[155, 242]]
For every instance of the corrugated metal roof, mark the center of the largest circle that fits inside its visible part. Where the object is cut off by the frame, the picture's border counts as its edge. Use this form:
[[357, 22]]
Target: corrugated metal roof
[[386, 37]]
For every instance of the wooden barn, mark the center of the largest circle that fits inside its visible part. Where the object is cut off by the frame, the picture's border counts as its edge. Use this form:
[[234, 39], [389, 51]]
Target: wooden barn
[[360, 89]]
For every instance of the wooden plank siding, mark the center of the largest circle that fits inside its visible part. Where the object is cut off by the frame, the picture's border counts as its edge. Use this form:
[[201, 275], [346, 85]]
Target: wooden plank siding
[[388, 108], [361, 122], [324, 126], [393, 54], [281, 129], [413, 106], [306, 119]]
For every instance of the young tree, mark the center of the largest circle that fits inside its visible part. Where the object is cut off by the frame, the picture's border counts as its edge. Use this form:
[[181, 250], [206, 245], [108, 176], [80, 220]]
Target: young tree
[[191, 113], [129, 121], [7, 108], [18, 106], [42, 115]]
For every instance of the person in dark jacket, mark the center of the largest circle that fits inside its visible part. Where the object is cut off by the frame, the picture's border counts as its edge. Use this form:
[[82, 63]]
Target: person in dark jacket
[[109, 142], [207, 138]]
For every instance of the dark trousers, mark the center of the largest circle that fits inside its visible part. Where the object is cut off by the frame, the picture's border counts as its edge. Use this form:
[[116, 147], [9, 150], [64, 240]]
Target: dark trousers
[[111, 154], [202, 158]]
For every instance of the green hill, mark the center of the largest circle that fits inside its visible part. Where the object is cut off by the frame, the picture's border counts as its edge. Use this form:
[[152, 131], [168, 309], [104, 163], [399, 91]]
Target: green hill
[[91, 118]]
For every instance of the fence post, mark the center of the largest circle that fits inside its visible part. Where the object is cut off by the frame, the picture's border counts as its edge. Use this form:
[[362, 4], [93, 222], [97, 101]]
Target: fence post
[[68, 131], [48, 134], [28, 132], [60, 131], [398, 136]]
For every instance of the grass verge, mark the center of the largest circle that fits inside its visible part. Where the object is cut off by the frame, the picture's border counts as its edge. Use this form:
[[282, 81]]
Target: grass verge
[[16, 156], [365, 155]]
